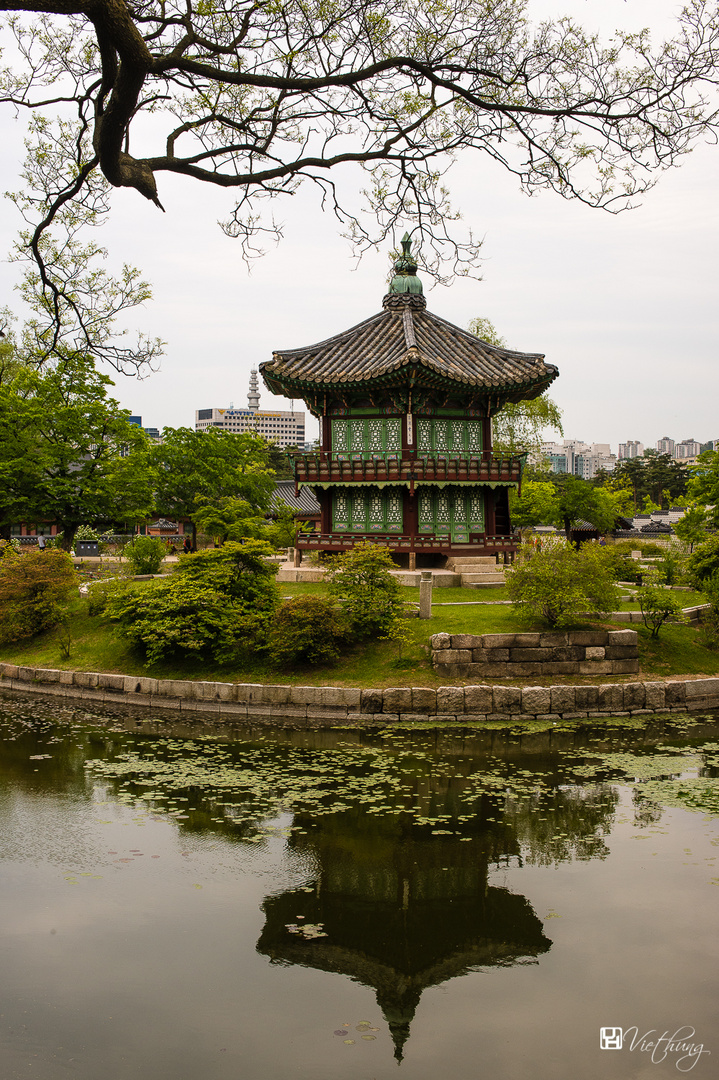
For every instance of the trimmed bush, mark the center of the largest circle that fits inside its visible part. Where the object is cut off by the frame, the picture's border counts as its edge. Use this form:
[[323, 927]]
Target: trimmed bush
[[145, 554], [217, 604], [306, 630], [360, 580], [33, 588]]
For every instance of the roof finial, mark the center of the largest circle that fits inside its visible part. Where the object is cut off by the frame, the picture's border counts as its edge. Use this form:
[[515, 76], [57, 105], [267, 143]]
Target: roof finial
[[405, 278]]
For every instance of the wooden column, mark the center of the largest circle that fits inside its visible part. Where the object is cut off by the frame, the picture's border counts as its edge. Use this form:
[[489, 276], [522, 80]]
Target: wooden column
[[489, 519]]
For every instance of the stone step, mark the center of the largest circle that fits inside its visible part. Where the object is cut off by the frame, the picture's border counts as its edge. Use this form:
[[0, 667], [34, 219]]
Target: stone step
[[460, 565], [482, 579]]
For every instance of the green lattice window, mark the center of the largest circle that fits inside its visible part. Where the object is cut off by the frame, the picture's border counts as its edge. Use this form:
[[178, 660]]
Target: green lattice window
[[367, 438], [367, 510], [449, 436], [451, 511]]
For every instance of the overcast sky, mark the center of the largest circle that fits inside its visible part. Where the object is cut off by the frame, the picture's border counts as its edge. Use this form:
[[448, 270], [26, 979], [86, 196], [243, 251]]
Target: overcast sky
[[626, 306]]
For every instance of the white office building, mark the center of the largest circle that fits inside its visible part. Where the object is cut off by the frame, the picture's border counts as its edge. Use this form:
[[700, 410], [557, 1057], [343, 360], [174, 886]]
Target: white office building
[[283, 428]]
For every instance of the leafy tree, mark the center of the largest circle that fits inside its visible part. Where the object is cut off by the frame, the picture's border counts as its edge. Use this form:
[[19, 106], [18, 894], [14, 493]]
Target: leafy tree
[[306, 630], [33, 587], [657, 604], [655, 477], [559, 582], [230, 519], [361, 581], [579, 500], [68, 452], [692, 526], [537, 505], [520, 427], [217, 604], [261, 98], [703, 487], [199, 471], [703, 563]]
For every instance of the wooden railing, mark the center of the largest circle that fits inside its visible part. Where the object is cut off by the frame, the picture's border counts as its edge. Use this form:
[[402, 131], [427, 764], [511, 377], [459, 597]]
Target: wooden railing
[[342, 540], [342, 468]]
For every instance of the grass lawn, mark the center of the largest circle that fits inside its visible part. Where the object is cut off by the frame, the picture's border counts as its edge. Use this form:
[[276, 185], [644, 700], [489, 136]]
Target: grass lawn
[[96, 645]]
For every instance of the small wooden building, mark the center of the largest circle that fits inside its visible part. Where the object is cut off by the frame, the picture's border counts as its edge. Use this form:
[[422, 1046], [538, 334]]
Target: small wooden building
[[405, 402]]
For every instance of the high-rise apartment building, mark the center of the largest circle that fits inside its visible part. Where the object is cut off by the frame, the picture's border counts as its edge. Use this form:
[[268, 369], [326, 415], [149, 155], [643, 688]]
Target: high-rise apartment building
[[666, 446], [283, 428], [579, 458], [688, 448], [630, 449]]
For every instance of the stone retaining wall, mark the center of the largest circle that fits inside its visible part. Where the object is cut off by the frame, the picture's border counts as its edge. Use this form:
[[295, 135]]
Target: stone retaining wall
[[330, 706], [521, 656]]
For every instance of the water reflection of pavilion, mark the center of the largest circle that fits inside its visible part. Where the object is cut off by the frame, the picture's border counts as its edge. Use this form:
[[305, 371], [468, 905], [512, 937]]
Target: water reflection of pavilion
[[402, 911]]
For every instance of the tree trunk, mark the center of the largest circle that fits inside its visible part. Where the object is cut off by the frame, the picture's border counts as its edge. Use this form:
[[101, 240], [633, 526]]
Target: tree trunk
[[68, 537]]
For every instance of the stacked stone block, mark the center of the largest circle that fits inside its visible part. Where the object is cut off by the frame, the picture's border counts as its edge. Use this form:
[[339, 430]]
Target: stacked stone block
[[321, 706], [522, 656]]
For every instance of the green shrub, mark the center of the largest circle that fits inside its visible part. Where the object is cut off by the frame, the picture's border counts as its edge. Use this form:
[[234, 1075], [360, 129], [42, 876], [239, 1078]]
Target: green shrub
[[306, 630], [100, 593], [672, 568], [217, 604], [361, 581], [703, 564], [86, 532], [559, 582], [145, 554], [657, 604], [709, 629], [33, 588]]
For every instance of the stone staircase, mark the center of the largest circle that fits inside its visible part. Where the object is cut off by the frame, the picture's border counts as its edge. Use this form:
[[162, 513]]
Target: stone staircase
[[478, 571]]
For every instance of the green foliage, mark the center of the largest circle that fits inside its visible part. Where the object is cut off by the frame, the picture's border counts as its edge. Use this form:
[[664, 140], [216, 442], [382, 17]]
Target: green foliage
[[657, 603], [709, 630], [230, 519], [521, 426], [100, 593], [563, 500], [217, 604], [672, 567], [558, 582], [703, 486], [703, 563], [33, 588], [400, 632], [692, 526], [207, 475], [306, 630], [361, 581], [69, 452], [86, 532], [145, 554], [654, 479], [282, 530], [535, 506], [237, 570]]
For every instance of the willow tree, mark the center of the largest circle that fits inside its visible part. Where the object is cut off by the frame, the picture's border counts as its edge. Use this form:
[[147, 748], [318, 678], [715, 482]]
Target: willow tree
[[261, 97]]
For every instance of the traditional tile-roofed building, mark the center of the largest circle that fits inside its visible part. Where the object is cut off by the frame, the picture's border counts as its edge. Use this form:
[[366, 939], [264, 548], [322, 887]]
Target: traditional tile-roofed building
[[405, 402]]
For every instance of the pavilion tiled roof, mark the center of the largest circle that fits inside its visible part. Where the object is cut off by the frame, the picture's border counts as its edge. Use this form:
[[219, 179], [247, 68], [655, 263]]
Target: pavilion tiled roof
[[403, 341]]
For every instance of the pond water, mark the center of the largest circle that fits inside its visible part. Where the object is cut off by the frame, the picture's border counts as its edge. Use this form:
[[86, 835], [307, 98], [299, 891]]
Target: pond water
[[197, 902]]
